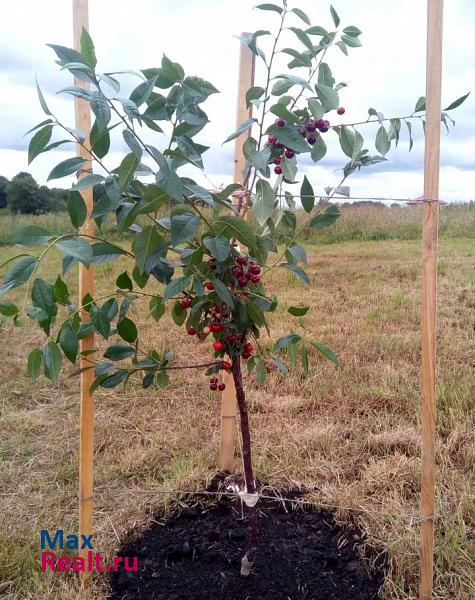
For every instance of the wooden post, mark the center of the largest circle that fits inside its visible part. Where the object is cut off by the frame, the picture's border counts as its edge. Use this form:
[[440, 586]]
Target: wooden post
[[86, 286], [228, 402], [429, 290]]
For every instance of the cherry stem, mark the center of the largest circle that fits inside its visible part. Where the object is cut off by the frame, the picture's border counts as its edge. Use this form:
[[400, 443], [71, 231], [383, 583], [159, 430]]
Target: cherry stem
[[248, 559]]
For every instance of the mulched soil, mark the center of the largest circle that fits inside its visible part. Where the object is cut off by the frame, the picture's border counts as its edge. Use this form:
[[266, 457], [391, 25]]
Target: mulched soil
[[195, 555]]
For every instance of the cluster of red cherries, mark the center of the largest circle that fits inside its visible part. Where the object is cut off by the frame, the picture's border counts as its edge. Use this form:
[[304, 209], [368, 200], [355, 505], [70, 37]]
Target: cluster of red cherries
[[218, 318], [306, 130]]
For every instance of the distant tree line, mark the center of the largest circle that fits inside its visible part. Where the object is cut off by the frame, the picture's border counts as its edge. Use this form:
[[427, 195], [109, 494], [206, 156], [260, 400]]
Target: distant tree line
[[22, 194]]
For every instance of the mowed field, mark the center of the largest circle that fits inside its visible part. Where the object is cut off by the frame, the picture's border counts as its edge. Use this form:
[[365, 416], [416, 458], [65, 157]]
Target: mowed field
[[351, 435]]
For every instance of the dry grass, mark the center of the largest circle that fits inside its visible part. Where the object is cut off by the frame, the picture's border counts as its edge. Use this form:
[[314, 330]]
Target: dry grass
[[352, 435]]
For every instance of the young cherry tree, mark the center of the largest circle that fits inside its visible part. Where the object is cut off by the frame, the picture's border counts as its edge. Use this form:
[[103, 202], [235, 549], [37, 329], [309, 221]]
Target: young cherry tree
[[185, 238]]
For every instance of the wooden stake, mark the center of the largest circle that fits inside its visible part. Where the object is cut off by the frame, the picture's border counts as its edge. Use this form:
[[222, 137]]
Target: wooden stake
[[228, 400], [86, 286], [429, 290]]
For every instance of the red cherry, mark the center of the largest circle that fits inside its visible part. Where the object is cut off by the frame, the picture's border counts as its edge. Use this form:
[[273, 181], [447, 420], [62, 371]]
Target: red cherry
[[215, 327], [242, 281], [213, 387], [226, 364], [311, 127], [277, 160], [312, 139], [185, 303], [289, 153], [242, 260], [255, 279], [341, 110], [272, 139], [278, 170], [280, 122], [213, 379], [303, 130], [209, 285], [221, 387], [218, 346], [246, 355]]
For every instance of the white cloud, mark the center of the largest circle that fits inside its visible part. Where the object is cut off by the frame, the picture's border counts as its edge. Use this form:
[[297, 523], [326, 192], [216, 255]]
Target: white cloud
[[387, 73]]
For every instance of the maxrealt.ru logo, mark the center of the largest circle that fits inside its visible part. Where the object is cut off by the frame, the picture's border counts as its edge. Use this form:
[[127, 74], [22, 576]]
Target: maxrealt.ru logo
[[94, 561]]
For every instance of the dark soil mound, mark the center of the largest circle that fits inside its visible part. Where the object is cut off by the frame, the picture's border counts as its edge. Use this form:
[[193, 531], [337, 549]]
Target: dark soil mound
[[196, 555]]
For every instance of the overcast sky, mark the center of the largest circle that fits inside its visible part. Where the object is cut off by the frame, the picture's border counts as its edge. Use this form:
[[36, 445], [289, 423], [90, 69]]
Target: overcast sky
[[387, 73]]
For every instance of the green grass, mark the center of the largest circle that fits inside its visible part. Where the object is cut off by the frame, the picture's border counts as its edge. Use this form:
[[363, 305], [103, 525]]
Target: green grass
[[352, 435]]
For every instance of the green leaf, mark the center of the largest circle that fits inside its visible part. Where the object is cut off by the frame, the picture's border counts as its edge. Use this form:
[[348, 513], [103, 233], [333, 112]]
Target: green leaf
[[303, 37], [123, 282], [335, 17], [253, 93], [319, 149], [218, 247], [281, 87], [295, 254], [342, 47], [87, 182], [119, 352], [8, 309], [43, 297], [230, 226], [352, 42], [176, 287], [61, 292], [52, 360], [39, 142], [296, 270], [280, 111], [31, 235], [66, 167], [317, 30], [87, 49], [184, 227], [127, 168], [382, 143], [77, 209], [105, 252], [69, 342], [132, 143], [409, 129], [327, 96], [44, 106], [101, 110], [143, 91], [352, 31], [297, 311], [327, 352], [269, 6], [127, 330], [325, 219], [261, 371], [19, 273], [148, 245], [178, 314], [77, 248], [458, 102], [286, 340], [241, 129], [420, 104], [223, 292], [325, 75], [100, 140], [157, 308], [35, 360], [307, 195], [171, 70], [290, 137], [301, 14], [101, 322], [258, 159], [263, 205], [162, 379]]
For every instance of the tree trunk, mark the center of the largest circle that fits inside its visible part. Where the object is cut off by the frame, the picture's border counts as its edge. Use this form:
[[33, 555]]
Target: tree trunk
[[248, 559]]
